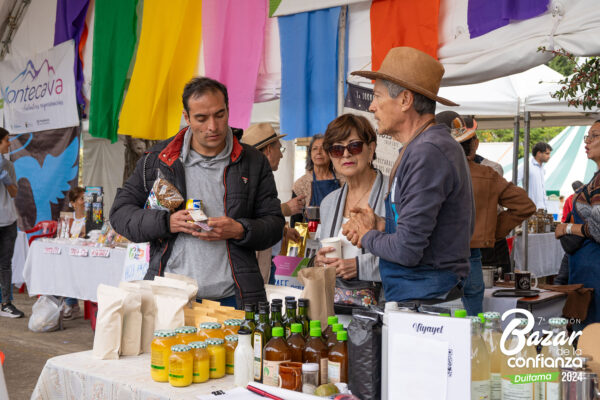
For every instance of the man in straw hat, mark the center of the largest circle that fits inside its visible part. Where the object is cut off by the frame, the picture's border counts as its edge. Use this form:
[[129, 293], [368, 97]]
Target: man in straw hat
[[423, 244], [235, 186], [263, 137], [490, 190]]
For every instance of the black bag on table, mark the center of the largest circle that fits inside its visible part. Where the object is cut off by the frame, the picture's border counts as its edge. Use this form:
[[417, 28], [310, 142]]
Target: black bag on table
[[364, 354]]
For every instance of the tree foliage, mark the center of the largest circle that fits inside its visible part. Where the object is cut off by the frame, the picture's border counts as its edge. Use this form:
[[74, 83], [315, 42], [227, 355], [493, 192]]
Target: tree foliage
[[544, 134]]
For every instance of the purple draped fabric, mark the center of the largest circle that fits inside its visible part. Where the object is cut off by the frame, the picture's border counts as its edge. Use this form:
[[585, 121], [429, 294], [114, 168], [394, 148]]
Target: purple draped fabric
[[70, 23], [484, 16]]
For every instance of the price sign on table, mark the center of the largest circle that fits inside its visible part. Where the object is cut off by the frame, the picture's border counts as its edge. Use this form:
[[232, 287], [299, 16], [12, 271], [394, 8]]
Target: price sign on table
[[78, 252], [52, 250], [100, 253]]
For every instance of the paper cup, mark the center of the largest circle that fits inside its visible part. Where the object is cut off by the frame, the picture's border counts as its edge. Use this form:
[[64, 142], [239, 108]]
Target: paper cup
[[334, 242]]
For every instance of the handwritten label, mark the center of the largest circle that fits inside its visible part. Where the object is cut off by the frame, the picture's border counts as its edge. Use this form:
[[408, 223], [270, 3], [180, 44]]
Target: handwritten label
[[100, 253], [52, 250], [137, 261], [78, 252]]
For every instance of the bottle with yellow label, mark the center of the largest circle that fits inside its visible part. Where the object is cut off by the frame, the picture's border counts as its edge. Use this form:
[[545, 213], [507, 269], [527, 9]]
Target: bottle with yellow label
[[160, 351], [181, 365], [232, 326], [217, 354], [201, 362], [210, 330], [231, 342], [187, 334]]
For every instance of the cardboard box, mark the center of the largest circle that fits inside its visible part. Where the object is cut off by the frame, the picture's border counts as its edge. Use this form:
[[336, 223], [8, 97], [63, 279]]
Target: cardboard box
[[287, 268]]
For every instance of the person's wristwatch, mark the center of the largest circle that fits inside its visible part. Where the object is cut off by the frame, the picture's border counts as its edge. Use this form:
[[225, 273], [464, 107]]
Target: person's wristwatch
[[569, 229]]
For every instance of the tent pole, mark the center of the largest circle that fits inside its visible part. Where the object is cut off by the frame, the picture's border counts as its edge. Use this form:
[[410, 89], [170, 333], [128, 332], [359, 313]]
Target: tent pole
[[517, 131], [526, 185], [341, 65]]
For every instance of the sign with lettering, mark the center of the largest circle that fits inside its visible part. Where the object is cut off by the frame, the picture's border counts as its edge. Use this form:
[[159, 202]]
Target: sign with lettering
[[137, 261], [428, 349], [52, 250], [100, 253], [78, 252]]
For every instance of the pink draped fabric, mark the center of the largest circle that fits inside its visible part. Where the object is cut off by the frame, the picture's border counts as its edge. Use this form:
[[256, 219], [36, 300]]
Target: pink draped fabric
[[233, 36]]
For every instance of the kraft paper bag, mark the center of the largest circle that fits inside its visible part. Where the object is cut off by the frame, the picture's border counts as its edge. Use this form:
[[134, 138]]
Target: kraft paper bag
[[132, 320], [170, 302], [193, 285], [319, 289], [188, 285], [148, 314], [109, 322]]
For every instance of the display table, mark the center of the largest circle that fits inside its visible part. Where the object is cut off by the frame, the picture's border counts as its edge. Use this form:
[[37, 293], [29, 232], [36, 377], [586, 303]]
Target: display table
[[544, 254], [19, 257], [79, 376], [52, 268]]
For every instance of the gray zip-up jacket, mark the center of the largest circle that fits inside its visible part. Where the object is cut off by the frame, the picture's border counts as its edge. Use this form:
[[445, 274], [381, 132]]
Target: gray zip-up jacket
[[332, 210]]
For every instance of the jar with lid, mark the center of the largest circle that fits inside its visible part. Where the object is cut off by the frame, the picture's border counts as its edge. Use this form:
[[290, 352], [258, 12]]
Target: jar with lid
[[201, 362], [210, 330], [186, 334], [181, 365], [310, 377], [231, 342], [160, 351], [232, 326], [216, 352]]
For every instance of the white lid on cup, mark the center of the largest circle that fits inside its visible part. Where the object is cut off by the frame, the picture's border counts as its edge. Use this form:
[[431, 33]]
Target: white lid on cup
[[310, 367]]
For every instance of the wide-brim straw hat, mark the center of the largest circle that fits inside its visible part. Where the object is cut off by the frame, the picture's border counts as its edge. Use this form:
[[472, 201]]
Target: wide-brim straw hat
[[412, 69], [260, 135]]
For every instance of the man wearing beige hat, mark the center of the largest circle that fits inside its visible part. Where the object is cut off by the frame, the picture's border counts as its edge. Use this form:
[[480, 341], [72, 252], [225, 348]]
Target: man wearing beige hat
[[423, 243], [264, 138]]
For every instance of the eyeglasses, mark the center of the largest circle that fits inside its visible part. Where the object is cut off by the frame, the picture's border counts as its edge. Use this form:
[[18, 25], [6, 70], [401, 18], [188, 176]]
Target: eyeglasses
[[354, 148], [590, 138]]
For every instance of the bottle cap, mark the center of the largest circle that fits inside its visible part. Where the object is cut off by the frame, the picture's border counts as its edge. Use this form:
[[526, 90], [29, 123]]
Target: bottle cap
[[481, 317], [310, 367], [197, 345], [332, 319], [233, 322], [289, 298], [557, 321], [315, 323], [244, 332], [522, 321], [303, 302], [276, 307], [444, 314], [474, 319], [342, 335], [290, 303], [178, 348], [276, 301], [210, 325], [315, 331], [296, 328], [186, 329], [491, 315], [214, 341], [337, 327], [460, 313], [165, 333], [231, 338], [277, 331], [250, 308]]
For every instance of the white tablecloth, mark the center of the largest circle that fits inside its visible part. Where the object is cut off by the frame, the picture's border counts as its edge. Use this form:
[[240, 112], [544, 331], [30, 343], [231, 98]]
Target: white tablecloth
[[70, 276], [79, 376], [544, 255], [19, 256]]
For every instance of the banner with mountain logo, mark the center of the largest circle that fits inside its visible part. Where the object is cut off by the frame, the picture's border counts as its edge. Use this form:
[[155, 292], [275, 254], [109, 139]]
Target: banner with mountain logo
[[39, 91]]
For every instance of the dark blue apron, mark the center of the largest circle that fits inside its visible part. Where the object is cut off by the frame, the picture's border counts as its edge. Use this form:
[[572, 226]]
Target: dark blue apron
[[584, 267], [402, 283], [320, 189]]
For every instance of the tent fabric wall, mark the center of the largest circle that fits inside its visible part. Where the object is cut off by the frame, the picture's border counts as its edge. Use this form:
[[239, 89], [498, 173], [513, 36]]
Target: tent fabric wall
[[36, 32]]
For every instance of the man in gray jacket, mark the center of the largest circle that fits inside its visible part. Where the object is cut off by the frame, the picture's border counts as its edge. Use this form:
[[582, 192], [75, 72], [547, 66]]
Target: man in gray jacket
[[423, 243]]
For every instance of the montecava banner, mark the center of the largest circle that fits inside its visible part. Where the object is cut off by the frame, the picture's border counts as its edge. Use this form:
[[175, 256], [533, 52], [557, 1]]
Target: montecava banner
[[39, 90]]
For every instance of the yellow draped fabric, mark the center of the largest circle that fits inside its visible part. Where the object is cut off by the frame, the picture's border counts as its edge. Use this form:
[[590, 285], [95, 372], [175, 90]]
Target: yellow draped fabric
[[166, 59]]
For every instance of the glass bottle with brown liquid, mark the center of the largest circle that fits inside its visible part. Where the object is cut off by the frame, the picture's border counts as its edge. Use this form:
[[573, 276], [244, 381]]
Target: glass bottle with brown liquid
[[296, 342], [332, 319], [332, 339], [276, 351], [337, 366], [316, 352]]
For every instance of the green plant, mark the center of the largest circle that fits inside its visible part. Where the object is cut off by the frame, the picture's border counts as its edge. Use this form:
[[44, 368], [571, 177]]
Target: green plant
[[582, 88]]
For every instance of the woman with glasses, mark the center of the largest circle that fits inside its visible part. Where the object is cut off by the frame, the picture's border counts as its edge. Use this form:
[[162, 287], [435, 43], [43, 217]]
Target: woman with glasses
[[320, 178], [350, 141], [580, 237]]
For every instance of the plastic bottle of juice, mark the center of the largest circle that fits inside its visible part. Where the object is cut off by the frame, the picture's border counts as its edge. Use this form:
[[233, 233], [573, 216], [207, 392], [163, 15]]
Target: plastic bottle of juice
[[276, 351], [337, 365], [290, 316], [248, 323], [552, 390], [517, 391], [332, 339], [332, 319], [316, 351], [260, 337], [480, 363], [296, 342], [492, 333], [303, 316], [276, 318]]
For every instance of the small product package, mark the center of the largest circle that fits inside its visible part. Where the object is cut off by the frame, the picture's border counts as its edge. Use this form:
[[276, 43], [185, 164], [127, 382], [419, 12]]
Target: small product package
[[148, 310], [170, 302], [109, 322], [364, 350], [163, 195], [187, 284], [297, 249], [199, 217], [132, 320], [319, 288]]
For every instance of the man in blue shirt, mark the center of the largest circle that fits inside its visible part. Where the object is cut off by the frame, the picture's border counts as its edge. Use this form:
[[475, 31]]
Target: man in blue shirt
[[423, 244]]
